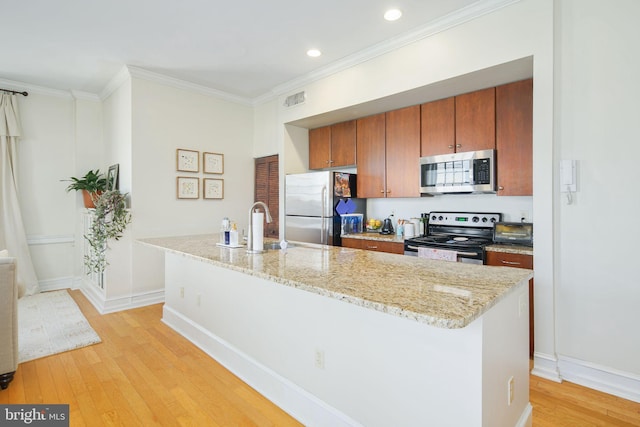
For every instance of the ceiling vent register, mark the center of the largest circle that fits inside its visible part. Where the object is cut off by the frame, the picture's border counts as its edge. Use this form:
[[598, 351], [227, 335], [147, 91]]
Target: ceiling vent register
[[295, 99]]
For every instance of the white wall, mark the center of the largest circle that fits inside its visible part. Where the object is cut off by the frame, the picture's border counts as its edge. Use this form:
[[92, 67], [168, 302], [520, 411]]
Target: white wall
[[46, 156], [597, 125], [166, 118]]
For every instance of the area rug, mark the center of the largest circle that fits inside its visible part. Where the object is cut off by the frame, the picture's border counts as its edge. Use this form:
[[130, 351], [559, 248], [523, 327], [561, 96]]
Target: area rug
[[51, 323]]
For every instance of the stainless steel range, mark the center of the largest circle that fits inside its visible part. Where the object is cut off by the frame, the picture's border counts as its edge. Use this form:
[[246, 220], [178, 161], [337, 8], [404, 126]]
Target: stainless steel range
[[466, 233]]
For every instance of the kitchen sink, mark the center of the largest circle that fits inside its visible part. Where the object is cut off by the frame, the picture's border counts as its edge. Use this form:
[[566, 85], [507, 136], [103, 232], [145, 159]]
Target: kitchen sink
[[276, 246]]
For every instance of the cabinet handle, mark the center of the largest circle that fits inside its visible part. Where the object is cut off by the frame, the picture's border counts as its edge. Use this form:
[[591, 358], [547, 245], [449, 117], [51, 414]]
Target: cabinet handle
[[510, 262], [372, 247], [450, 146], [500, 187], [330, 161], [458, 145], [388, 191], [382, 191]]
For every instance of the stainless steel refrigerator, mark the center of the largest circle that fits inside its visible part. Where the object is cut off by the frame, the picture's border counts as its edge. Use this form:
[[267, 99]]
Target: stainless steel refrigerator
[[314, 202]]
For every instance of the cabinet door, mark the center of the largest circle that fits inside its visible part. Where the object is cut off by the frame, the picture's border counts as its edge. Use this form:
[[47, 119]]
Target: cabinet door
[[438, 127], [343, 144], [518, 261], [514, 138], [370, 153], [320, 147], [476, 120], [403, 152]]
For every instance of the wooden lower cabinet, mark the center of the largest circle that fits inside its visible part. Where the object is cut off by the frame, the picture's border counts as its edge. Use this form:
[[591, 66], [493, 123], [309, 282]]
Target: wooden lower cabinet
[[373, 245], [517, 261]]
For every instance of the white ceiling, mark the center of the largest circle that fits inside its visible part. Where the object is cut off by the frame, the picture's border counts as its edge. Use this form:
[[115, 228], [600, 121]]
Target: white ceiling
[[246, 48]]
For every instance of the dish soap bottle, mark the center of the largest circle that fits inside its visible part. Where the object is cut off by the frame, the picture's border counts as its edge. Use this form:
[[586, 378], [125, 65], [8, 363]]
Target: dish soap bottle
[[233, 235]]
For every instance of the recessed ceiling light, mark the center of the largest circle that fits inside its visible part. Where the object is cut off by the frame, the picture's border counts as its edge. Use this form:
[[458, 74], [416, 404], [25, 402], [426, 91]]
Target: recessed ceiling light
[[392, 14], [314, 53]]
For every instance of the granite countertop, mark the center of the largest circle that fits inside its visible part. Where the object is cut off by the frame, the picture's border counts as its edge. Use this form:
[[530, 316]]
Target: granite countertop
[[509, 249], [439, 293], [375, 235]]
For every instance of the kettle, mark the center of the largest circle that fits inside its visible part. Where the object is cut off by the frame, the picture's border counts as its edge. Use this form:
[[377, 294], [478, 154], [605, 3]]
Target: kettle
[[387, 227]]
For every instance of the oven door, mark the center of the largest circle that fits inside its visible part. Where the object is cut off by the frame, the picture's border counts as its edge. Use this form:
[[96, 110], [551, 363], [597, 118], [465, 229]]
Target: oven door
[[466, 255]]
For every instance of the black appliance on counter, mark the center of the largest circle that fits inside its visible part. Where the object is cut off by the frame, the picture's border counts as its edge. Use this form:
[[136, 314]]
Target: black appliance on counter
[[466, 233]]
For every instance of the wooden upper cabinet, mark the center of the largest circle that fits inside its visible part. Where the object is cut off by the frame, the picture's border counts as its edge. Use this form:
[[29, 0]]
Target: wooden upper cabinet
[[438, 127], [370, 153], [514, 138], [403, 152], [476, 120], [320, 147], [343, 144], [333, 146]]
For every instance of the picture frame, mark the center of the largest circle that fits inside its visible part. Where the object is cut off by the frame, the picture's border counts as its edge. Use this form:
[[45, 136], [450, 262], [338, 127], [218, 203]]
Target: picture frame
[[213, 163], [113, 177], [187, 187], [213, 188], [187, 160]]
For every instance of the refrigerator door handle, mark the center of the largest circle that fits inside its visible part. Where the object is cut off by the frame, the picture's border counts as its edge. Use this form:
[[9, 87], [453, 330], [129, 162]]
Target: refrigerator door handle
[[324, 207]]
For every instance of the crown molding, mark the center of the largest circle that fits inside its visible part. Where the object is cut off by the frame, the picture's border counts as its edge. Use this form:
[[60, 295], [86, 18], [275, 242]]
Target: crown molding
[[118, 80], [449, 21], [185, 85], [40, 90], [85, 96]]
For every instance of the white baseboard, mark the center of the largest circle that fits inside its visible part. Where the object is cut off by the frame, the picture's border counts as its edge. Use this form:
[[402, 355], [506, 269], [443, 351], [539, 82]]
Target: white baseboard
[[546, 366], [300, 404], [622, 384], [111, 305], [56, 284], [526, 419]]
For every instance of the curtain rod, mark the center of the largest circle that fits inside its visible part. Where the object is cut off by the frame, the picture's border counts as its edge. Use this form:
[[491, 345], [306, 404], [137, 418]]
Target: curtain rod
[[15, 91]]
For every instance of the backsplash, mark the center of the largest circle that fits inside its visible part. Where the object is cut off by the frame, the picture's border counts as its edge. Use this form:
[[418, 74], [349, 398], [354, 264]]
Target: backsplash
[[512, 208]]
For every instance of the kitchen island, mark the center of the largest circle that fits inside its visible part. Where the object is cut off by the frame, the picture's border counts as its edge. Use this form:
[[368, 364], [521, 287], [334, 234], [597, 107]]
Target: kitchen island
[[340, 336]]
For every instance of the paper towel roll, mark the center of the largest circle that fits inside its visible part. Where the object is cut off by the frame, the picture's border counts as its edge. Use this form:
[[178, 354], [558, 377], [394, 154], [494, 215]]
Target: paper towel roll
[[257, 225]]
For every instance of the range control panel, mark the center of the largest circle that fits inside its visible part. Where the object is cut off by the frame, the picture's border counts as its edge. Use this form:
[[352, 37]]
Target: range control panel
[[464, 219]]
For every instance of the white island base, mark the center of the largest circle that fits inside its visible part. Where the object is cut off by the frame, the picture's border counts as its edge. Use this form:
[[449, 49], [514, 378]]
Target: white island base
[[331, 363]]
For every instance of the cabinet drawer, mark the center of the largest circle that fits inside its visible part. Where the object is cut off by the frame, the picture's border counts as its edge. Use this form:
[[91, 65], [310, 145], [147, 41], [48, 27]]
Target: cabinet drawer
[[378, 246], [510, 260], [352, 243]]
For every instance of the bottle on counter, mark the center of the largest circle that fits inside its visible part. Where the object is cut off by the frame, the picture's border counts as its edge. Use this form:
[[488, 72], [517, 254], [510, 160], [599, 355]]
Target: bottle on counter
[[233, 235], [225, 228]]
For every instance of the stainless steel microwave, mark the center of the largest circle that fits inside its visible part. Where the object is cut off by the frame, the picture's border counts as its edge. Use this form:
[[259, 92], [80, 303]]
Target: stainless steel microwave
[[467, 172]]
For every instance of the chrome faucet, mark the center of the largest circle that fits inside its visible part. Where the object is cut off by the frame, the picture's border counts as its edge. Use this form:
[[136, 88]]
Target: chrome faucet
[[250, 228]]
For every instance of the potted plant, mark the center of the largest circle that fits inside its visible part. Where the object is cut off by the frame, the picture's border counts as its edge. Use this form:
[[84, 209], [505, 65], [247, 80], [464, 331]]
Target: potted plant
[[92, 184], [110, 219]]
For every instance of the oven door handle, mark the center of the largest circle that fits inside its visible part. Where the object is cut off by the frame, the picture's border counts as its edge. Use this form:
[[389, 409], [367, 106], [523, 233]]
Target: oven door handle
[[467, 253], [415, 248]]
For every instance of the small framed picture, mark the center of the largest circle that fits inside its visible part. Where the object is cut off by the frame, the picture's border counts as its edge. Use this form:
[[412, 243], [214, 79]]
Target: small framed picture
[[212, 188], [188, 160], [113, 177], [188, 187], [213, 163]]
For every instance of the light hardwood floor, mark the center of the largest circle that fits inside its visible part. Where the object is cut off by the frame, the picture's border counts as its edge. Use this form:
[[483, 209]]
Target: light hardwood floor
[[143, 373]]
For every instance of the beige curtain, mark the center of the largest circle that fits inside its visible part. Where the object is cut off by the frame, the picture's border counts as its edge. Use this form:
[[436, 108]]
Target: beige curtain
[[12, 233]]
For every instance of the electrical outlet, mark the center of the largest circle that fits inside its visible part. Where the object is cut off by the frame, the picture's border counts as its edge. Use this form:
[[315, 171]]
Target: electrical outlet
[[319, 359], [510, 391], [523, 306], [182, 292]]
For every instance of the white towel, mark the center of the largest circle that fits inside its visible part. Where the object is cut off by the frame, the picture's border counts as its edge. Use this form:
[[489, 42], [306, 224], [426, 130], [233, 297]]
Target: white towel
[[441, 254]]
